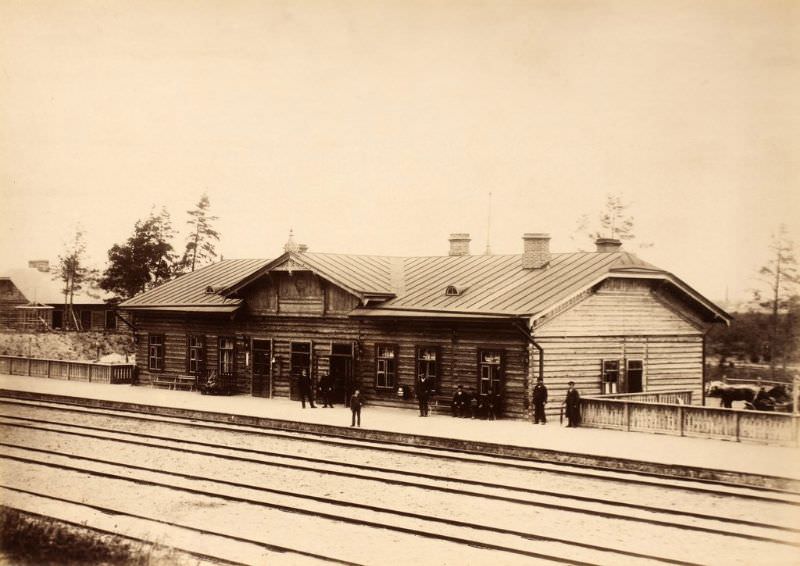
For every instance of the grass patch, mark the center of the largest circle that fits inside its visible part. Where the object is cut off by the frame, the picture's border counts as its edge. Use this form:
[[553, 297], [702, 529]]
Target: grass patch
[[32, 540]]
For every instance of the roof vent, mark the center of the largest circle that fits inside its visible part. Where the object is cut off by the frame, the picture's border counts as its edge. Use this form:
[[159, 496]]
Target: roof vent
[[214, 289]]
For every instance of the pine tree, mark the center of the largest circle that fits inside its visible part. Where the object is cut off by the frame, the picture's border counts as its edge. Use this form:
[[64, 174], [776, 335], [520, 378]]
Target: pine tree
[[146, 260], [200, 243], [612, 222]]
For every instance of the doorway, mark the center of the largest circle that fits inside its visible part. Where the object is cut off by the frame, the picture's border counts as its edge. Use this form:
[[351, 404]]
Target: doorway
[[634, 376], [262, 374], [300, 360], [341, 371]]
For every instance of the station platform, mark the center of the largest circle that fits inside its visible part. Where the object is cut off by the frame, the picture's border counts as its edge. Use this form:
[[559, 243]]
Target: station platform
[[717, 460]]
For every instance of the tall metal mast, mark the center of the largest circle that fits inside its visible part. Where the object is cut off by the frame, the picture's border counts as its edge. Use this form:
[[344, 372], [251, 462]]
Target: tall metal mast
[[489, 228]]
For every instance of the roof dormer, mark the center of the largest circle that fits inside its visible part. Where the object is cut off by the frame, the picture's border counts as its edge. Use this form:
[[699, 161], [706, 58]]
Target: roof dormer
[[455, 290]]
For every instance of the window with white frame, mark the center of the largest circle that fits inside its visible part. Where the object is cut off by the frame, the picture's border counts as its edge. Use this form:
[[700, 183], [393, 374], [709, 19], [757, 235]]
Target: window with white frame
[[226, 356], [385, 366], [195, 355], [428, 365], [490, 367], [610, 377], [155, 352]]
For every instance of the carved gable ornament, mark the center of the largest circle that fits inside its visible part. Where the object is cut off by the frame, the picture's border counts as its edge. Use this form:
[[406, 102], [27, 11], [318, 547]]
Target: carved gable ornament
[[290, 265]]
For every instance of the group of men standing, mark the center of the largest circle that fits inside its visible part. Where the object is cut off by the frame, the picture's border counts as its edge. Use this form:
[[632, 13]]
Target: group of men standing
[[464, 404], [469, 405], [306, 386], [572, 404]]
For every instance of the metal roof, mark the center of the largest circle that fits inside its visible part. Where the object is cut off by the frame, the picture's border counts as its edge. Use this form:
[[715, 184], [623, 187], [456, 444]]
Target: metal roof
[[494, 285], [191, 289], [362, 273], [497, 284]]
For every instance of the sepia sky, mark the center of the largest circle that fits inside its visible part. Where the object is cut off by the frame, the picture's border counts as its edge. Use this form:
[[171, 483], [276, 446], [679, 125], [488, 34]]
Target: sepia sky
[[381, 127]]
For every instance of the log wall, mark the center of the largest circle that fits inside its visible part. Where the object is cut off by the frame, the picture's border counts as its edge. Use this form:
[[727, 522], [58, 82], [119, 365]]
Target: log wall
[[458, 346]]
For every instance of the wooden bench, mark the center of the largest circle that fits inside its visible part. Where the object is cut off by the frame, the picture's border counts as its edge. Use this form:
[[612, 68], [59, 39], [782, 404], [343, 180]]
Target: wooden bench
[[187, 382], [163, 380]]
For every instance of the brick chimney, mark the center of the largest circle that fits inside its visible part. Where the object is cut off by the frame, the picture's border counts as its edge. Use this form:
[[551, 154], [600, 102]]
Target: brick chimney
[[42, 265], [536, 251], [459, 244], [605, 245]]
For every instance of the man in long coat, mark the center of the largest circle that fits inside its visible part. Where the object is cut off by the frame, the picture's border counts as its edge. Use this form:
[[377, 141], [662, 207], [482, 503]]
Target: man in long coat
[[573, 404], [306, 389], [539, 400], [423, 391]]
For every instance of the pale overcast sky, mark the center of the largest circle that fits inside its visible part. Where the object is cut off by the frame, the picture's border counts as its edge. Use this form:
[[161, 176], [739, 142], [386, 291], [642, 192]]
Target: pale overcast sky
[[381, 127]]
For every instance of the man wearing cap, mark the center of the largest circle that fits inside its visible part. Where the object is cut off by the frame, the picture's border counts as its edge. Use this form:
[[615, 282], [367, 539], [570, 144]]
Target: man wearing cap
[[460, 402], [573, 403], [539, 401]]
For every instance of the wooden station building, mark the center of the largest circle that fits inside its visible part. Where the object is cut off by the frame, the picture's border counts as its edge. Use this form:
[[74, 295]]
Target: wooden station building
[[605, 319]]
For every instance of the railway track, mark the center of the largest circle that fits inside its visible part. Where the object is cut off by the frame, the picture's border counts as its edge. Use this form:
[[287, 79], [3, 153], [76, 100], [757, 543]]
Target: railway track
[[514, 511]]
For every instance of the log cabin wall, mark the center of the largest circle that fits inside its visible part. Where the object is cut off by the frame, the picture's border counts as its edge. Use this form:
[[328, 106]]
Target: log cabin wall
[[626, 321], [457, 344]]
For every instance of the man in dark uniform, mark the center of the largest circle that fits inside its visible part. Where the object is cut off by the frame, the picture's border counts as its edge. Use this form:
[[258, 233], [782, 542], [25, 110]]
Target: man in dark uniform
[[326, 390], [460, 402], [489, 405], [356, 402], [423, 390], [573, 403], [539, 401], [306, 390]]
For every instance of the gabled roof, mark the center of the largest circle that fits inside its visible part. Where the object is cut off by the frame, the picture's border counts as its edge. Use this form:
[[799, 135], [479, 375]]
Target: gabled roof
[[406, 287], [191, 290], [361, 275], [40, 287]]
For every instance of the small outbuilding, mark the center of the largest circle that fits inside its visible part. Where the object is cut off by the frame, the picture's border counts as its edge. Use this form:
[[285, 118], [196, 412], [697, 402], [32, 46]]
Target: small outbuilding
[[31, 300]]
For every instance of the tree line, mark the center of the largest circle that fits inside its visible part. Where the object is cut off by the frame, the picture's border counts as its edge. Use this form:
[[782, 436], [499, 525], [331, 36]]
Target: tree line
[[768, 332], [144, 261]]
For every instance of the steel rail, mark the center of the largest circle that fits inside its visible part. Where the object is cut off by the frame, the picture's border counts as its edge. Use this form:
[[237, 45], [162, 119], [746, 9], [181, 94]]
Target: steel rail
[[445, 453], [344, 503], [456, 491], [350, 520]]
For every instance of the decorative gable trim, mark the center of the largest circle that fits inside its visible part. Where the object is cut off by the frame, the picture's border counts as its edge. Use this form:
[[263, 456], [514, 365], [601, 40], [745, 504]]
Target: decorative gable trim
[[290, 262]]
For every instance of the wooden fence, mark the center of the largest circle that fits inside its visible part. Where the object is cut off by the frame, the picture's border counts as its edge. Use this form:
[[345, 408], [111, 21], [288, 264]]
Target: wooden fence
[[690, 420], [683, 396], [93, 372]]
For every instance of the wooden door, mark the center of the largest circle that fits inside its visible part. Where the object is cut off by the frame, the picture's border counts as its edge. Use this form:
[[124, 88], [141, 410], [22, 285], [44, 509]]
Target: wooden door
[[262, 366]]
